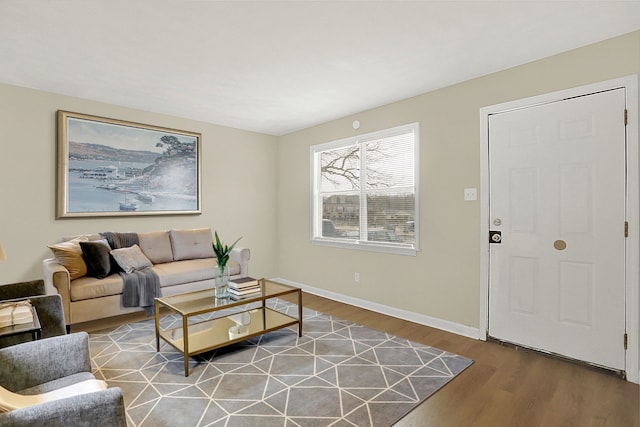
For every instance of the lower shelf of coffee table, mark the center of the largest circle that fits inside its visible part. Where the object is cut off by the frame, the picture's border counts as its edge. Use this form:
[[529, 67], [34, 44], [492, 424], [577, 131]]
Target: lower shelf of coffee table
[[211, 334]]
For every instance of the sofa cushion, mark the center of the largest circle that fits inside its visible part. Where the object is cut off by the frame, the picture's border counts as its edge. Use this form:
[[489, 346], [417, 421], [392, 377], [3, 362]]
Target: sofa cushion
[[193, 270], [193, 243], [69, 255], [170, 274], [90, 287], [131, 259], [156, 245], [98, 259]]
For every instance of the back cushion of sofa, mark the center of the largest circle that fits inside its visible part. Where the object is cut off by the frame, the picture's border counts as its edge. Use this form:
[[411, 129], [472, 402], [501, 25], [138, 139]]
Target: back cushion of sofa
[[192, 243], [156, 246]]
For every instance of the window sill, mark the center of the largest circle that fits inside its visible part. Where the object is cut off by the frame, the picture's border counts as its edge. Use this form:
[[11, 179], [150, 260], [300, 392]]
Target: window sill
[[366, 246]]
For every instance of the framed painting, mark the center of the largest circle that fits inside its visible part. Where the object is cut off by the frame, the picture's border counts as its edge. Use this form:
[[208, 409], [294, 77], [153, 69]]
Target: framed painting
[[109, 167]]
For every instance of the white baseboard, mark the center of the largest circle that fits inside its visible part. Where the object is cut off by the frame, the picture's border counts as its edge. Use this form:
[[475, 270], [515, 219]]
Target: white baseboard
[[445, 325]]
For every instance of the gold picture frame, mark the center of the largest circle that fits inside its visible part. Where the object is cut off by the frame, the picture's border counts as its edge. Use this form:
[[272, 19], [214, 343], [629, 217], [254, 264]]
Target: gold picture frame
[[111, 167]]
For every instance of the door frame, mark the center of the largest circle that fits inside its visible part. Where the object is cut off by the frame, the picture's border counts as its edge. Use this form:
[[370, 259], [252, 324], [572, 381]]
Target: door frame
[[632, 261]]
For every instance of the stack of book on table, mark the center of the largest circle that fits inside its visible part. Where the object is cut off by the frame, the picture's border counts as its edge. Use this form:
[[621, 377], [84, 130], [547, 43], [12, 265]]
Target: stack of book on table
[[15, 313], [246, 287]]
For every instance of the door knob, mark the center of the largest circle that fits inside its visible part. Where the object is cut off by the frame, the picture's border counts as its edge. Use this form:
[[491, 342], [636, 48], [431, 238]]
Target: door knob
[[495, 236], [560, 245]]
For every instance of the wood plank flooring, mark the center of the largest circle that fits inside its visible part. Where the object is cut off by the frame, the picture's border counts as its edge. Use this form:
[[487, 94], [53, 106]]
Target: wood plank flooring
[[505, 387]]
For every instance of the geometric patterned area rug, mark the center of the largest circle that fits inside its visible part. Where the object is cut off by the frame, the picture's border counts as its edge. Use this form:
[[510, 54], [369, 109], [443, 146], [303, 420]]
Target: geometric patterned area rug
[[337, 374]]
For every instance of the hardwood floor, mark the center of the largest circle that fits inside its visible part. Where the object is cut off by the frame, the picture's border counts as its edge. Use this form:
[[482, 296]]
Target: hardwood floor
[[505, 387]]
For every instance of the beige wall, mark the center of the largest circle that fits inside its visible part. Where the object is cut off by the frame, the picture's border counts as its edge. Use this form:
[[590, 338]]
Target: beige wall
[[257, 186], [442, 281], [238, 183]]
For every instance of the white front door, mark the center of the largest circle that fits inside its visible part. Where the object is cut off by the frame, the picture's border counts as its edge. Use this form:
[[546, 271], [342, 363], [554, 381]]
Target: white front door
[[557, 196]]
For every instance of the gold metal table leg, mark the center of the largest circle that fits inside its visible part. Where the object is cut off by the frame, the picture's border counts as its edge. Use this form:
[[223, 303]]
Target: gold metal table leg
[[300, 312], [157, 325], [185, 342]]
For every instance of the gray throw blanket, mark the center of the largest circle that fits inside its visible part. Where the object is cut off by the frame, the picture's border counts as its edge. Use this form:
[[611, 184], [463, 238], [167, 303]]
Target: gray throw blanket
[[120, 240], [140, 288]]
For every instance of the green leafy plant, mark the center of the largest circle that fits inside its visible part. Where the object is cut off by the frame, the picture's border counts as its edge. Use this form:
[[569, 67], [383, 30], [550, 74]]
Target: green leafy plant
[[222, 252]]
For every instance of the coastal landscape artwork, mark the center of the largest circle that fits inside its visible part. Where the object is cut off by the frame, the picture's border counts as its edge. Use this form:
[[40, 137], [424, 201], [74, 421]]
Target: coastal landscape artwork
[[109, 167]]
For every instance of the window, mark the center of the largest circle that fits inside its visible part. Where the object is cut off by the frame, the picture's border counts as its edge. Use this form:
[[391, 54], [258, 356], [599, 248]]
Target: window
[[364, 191]]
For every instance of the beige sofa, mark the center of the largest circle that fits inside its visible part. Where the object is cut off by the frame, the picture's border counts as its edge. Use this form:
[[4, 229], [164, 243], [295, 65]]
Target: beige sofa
[[183, 260]]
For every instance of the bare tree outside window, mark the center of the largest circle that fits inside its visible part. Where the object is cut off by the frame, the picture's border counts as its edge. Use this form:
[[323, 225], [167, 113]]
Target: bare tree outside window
[[342, 166], [387, 199]]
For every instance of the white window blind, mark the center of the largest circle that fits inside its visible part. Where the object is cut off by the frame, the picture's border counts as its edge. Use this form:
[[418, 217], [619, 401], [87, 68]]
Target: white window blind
[[364, 191]]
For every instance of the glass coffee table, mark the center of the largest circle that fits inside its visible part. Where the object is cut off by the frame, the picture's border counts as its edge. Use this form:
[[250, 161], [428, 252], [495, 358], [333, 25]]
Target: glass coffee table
[[195, 337]]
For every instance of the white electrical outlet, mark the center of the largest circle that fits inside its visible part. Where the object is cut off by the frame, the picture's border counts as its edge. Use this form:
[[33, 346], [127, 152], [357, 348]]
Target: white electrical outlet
[[470, 194], [356, 277]]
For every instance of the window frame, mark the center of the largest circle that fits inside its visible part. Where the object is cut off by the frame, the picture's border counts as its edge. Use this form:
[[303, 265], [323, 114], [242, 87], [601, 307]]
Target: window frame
[[316, 206]]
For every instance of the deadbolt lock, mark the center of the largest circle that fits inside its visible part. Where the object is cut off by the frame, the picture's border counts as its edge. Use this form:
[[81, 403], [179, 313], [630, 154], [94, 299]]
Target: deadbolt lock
[[495, 236]]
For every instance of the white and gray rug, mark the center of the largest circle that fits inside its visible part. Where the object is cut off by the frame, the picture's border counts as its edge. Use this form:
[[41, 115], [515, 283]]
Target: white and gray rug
[[337, 374]]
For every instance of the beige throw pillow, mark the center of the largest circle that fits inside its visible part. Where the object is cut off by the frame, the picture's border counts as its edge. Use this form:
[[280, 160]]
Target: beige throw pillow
[[156, 246], [192, 243], [69, 255], [131, 259]]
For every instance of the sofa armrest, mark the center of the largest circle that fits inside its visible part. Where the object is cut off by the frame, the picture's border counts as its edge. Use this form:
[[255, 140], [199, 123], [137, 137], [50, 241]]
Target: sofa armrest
[[29, 364], [241, 256], [105, 408], [50, 314], [22, 289], [58, 280]]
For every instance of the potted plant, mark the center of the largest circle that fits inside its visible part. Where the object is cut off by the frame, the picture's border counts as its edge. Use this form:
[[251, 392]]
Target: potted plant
[[222, 252]]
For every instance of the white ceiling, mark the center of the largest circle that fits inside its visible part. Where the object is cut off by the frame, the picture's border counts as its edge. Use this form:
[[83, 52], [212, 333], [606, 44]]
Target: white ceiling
[[280, 66]]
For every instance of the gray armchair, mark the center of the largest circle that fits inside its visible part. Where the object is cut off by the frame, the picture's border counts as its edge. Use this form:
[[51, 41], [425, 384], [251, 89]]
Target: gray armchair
[[48, 307], [49, 364]]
